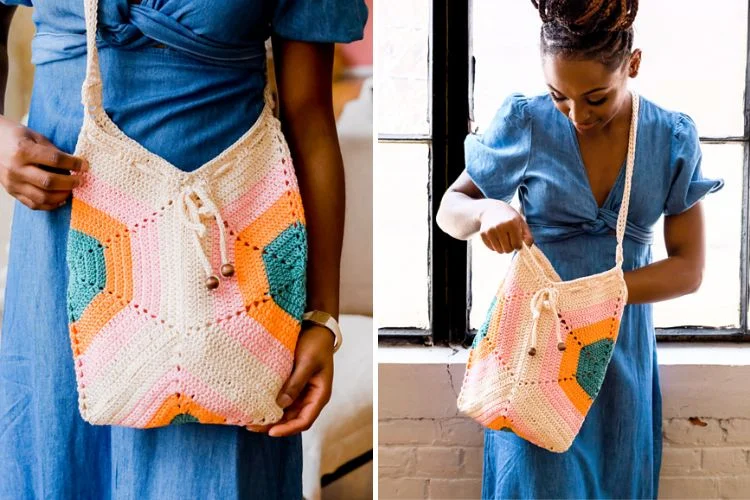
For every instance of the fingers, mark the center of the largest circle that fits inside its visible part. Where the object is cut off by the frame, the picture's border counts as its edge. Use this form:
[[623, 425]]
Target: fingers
[[303, 412], [39, 189], [516, 237], [36, 172], [528, 238], [505, 238], [298, 421], [47, 181], [258, 428], [297, 381], [491, 242], [44, 153], [38, 199]]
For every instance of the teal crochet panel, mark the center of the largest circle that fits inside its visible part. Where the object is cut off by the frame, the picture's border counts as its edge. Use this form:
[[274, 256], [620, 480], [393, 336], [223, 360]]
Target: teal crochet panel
[[88, 272], [486, 325], [592, 365], [285, 260], [183, 418]]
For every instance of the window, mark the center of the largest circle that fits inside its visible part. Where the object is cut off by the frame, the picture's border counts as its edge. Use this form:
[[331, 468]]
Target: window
[[470, 56], [404, 150]]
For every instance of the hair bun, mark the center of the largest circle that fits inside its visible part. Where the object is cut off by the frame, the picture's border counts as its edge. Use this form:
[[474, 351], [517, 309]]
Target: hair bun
[[583, 17]]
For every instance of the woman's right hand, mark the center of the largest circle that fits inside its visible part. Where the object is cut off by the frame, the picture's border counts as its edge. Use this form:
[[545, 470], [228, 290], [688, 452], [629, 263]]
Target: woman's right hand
[[24, 157], [502, 228]]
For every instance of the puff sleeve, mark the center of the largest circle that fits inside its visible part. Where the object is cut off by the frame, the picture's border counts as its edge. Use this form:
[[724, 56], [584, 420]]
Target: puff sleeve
[[341, 21], [688, 186], [496, 162]]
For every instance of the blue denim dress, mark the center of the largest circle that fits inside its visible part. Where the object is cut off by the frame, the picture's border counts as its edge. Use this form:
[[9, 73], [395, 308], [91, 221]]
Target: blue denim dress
[[531, 148], [184, 79]]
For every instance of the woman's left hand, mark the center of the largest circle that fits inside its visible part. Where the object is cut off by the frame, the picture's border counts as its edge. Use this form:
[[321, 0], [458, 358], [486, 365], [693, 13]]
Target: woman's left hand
[[308, 388]]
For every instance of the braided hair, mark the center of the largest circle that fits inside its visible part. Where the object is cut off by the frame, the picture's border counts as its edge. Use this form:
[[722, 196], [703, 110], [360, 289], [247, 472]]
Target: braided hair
[[588, 29]]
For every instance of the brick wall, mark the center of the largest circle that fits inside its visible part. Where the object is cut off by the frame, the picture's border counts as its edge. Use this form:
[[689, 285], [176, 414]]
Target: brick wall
[[428, 450], [442, 458], [706, 458], [425, 448], [429, 458]]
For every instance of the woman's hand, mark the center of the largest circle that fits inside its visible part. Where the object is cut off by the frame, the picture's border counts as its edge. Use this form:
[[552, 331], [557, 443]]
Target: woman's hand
[[308, 389], [23, 156], [502, 228], [464, 211]]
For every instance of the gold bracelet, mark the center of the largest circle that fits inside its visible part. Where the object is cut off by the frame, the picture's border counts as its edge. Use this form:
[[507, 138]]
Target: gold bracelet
[[325, 320]]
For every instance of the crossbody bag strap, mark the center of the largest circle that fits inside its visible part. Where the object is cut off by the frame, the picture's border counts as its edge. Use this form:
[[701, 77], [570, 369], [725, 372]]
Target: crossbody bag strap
[[622, 218], [91, 91]]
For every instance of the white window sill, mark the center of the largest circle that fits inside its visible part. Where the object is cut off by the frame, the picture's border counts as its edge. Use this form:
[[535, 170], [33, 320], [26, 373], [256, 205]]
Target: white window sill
[[696, 379]]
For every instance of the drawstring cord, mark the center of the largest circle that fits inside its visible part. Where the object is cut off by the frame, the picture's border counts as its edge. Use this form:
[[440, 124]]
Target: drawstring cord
[[194, 203], [545, 298], [191, 212]]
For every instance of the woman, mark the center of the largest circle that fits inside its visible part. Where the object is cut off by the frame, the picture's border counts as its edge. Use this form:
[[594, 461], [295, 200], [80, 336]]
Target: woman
[[185, 80], [564, 153]]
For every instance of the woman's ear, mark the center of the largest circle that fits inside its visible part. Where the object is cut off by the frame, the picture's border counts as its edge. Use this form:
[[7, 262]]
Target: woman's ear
[[635, 63]]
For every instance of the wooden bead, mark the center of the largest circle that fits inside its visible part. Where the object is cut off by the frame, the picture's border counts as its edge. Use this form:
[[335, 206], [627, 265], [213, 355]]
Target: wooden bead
[[227, 270], [532, 351], [212, 282], [561, 346]]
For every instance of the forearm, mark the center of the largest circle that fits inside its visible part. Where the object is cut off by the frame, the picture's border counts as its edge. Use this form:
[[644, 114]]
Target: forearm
[[312, 138], [666, 279], [459, 214], [679, 274], [304, 81]]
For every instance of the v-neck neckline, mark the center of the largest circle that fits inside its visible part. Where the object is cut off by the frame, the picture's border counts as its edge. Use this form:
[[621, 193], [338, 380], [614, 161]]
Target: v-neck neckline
[[582, 168], [105, 126]]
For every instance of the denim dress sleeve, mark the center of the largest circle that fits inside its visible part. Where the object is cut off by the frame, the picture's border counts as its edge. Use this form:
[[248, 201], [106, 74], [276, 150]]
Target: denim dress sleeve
[[688, 186], [341, 21], [26, 3], [497, 160]]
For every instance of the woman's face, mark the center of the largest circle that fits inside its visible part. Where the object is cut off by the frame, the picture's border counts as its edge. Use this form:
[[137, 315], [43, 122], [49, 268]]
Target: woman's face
[[587, 92]]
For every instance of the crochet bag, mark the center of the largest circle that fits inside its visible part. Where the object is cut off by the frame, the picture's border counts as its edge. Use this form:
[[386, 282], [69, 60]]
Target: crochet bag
[[186, 289], [539, 360]]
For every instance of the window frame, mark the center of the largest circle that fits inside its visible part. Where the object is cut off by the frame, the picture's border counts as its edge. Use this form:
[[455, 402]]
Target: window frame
[[449, 260]]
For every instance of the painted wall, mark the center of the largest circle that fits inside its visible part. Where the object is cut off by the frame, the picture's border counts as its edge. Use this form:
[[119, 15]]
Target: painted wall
[[359, 53]]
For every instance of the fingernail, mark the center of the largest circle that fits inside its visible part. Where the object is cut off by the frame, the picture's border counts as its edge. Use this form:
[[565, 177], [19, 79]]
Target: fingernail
[[62, 203], [86, 166], [284, 400]]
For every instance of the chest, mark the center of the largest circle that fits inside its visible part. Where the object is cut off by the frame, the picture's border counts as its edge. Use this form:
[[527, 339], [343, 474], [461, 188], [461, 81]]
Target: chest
[[602, 159], [234, 22]]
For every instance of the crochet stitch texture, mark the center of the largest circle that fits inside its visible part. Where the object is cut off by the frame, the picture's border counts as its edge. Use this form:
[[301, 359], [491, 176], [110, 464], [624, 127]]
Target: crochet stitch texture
[[152, 344], [539, 360]]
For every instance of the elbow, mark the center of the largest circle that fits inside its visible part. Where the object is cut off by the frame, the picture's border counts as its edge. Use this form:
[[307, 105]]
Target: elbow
[[441, 217], [443, 221], [695, 281], [446, 220]]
